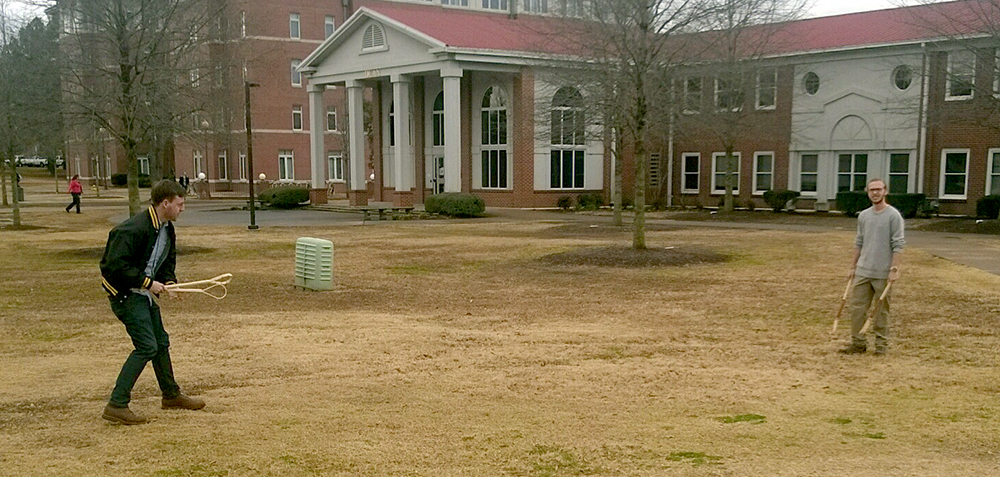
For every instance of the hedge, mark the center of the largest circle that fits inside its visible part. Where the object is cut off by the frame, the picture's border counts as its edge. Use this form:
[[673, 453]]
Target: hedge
[[454, 204], [778, 199], [988, 207], [589, 201], [285, 197], [850, 203], [121, 179], [908, 205]]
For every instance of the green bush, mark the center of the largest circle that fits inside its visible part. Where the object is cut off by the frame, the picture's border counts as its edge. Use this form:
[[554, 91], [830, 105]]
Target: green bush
[[988, 207], [145, 181], [907, 204], [565, 202], [589, 201], [285, 197], [779, 198], [121, 179], [850, 203], [454, 204]]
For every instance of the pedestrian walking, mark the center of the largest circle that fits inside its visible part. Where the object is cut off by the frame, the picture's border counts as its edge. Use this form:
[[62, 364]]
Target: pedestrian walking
[[76, 190]]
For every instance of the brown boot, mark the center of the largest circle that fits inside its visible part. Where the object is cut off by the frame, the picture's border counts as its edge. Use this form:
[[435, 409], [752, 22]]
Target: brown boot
[[122, 415], [183, 402]]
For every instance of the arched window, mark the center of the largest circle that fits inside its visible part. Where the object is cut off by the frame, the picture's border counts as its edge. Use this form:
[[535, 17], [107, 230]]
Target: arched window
[[568, 131], [494, 138], [438, 120], [373, 39]]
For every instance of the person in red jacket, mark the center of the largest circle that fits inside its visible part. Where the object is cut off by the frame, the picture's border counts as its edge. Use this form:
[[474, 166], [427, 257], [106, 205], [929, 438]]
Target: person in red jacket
[[76, 189]]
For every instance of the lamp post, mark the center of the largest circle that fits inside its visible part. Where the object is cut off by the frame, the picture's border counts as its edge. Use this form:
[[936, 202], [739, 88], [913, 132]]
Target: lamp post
[[253, 208]]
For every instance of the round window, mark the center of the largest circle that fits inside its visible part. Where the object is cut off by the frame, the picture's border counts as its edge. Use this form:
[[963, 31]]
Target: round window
[[902, 77], [811, 83]]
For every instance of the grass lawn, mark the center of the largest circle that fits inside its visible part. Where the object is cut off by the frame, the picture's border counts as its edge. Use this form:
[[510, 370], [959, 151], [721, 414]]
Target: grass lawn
[[479, 349]]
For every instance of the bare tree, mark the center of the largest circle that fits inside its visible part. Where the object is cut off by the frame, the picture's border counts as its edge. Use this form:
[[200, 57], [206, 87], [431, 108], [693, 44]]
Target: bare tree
[[136, 68]]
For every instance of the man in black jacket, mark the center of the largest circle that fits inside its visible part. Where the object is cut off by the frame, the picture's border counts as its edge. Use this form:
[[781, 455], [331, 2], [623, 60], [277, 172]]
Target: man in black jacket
[[137, 265]]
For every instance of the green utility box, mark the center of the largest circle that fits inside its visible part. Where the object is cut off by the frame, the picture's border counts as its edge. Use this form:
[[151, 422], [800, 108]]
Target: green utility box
[[314, 263]]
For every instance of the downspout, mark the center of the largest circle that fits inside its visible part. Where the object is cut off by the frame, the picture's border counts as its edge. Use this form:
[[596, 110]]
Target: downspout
[[922, 121], [670, 162], [348, 8]]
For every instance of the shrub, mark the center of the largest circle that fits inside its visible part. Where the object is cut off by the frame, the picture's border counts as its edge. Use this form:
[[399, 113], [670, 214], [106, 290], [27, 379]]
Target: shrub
[[454, 204], [850, 203], [988, 207], [121, 179], [285, 197], [565, 202], [145, 181], [907, 204], [778, 199], [627, 203], [589, 201]]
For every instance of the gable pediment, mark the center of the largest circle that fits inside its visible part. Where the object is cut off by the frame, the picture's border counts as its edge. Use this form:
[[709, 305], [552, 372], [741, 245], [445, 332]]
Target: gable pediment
[[854, 99]]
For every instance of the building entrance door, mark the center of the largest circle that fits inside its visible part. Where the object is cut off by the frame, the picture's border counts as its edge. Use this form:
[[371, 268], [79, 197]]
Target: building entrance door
[[435, 173]]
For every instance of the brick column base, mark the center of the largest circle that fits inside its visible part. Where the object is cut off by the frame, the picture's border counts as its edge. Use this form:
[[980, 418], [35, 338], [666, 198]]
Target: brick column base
[[357, 197], [402, 198], [318, 196]]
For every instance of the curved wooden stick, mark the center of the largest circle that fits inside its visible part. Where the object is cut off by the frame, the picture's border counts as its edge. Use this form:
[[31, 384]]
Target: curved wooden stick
[[878, 307], [217, 282], [843, 301]]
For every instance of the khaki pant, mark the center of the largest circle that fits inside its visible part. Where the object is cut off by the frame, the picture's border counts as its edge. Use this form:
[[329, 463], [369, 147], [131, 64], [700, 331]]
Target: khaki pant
[[865, 291]]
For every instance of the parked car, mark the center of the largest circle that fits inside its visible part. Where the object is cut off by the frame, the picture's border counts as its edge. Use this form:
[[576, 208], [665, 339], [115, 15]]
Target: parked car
[[33, 161]]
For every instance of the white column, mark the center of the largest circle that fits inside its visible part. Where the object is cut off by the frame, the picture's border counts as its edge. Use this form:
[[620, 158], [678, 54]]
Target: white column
[[403, 149], [356, 134], [452, 130], [317, 146]]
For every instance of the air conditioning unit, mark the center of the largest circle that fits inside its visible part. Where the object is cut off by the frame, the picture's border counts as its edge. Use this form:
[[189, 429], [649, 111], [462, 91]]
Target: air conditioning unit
[[314, 263]]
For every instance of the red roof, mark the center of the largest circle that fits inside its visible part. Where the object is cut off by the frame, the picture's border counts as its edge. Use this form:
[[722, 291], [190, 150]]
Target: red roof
[[496, 31]]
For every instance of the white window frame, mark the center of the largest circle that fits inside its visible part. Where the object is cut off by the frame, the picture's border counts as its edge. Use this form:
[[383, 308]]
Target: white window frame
[[685, 172], [576, 148], [715, 161], [335, 167], [496, 4], [243, 23], [331, 112], [800, 173], [536, 6], [690, 99], [223, 163], [286, 165], [143, 164], [853, 173], [243, 166], [295, 26], [296, 118], [504, 181], [889, 174], [720, 90], [774, 88], [329, 26], [456, 3], [944, 174], [993, 172], [296, 76], [373, 39], [955, 55], [757, 172], [199, 164]]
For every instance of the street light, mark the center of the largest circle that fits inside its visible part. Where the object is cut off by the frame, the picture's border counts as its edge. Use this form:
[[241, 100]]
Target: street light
[[253, 208]]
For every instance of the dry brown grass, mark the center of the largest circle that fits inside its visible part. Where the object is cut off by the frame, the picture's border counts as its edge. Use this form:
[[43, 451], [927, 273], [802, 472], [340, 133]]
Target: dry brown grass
[[452, 349]]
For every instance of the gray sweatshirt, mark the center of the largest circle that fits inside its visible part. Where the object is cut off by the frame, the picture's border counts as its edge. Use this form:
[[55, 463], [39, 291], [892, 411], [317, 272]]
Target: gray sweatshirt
[[880, 234]]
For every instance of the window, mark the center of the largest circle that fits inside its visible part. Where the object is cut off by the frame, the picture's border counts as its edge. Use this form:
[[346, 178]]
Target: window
[[293, 26], [143, 164], [195, 78], [763, 172], [331, 118], [852, 172], [438, 120], [536, 6], [573, 8], [495, 4], [728, 94], [569, 150], [961, 75], [692, 94], [902, 77], [329, 26], [243, 166], [296, 76], [899, 173], [954, 173], [494, 138], [810, 83], [286, 165], [199, 164], [296, 118], [243, 24], [335, 166], [224, 165], [993, 173], [654, 170], [719, 163], [392, 124], [809, 174], [463, 3], [767, 88], [690, 163], [373, 39]]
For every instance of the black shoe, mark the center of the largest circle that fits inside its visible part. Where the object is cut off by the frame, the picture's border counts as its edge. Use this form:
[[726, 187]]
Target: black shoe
[[853, 349]]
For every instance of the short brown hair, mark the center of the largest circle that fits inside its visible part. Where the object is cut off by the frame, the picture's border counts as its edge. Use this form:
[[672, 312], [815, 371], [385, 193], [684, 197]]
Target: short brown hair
[[166, 189]]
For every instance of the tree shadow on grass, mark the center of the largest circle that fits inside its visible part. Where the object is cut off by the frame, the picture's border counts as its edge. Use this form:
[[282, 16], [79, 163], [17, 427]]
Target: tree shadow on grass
[[625, 257]]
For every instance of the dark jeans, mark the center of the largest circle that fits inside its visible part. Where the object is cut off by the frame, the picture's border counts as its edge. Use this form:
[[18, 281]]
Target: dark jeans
[[142, 322], [76, 202]]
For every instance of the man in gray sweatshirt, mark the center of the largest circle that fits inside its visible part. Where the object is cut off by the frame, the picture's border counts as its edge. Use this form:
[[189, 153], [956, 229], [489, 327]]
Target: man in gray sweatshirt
[[876, 262]]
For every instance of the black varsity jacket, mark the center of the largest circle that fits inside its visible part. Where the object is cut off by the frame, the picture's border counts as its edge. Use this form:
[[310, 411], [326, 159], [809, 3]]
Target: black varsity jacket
[[130, 244]]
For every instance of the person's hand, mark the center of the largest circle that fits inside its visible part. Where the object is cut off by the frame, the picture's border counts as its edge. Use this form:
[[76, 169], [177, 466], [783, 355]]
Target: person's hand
[[894, 273], [850, 274], [156, 288]]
